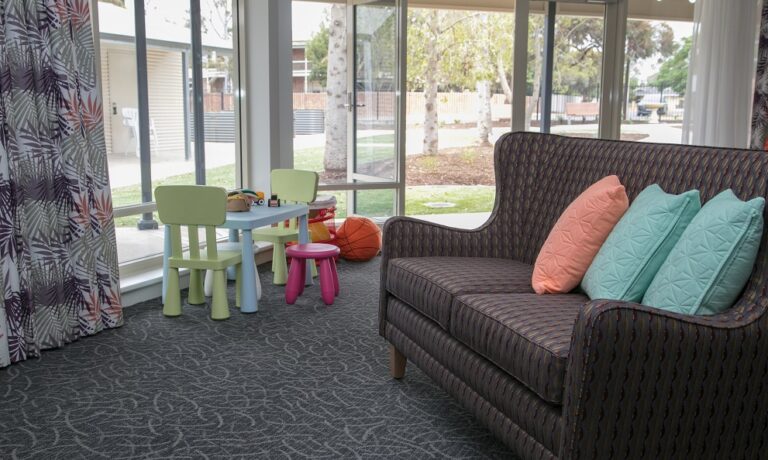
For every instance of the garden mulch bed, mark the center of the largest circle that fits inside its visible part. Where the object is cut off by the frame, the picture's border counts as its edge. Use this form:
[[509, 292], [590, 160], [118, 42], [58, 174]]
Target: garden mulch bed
[[454, 166]]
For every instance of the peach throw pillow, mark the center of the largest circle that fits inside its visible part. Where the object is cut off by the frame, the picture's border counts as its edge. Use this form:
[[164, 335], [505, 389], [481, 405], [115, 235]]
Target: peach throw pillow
[[577, 236]]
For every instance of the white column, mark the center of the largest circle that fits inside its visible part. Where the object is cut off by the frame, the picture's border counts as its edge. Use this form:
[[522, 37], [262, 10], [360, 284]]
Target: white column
[[612, 86], [267, 85]]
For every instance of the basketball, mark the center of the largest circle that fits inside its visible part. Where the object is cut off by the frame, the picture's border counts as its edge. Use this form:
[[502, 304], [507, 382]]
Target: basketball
[[359, 239]]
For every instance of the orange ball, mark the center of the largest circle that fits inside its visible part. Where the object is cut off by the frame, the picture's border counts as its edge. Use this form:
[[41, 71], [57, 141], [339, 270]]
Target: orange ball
[[359, 239]]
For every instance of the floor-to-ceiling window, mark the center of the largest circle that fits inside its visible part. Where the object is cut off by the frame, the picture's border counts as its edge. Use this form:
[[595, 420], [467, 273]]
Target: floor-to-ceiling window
[[577, 66], [655, 79], [163, 85], [564, 70], [459, 89], [346, 76], [458, 104]]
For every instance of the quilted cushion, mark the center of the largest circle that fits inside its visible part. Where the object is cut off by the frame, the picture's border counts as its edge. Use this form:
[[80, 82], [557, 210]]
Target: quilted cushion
[[577, 236], [708, 268], [527, 335], [429, 284], [638, 245]]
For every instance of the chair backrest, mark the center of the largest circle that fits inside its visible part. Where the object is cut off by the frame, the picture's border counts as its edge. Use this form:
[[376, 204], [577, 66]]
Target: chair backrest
[[294, 185], [193, 206]]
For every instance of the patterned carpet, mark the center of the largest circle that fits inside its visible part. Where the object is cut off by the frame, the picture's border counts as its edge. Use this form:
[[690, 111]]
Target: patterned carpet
[[288, 382]]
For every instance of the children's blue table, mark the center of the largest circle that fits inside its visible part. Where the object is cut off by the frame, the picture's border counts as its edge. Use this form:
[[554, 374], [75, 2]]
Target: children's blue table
[[245, 222]]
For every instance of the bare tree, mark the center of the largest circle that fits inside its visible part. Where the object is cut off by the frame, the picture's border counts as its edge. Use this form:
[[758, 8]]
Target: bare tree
[[484, 116], [336, 86], [431, 139], [484, 71], [538, 38], [505, 86]]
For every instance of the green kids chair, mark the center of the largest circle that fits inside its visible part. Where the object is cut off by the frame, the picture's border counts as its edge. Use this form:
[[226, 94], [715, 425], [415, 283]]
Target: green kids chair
[[290, 186], [196, 206]]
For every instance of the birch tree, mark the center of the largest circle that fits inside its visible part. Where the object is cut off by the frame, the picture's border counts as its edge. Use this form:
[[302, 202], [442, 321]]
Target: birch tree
[[485, 69], [436, 49], [538, 39], [431, 124], [336, 85]]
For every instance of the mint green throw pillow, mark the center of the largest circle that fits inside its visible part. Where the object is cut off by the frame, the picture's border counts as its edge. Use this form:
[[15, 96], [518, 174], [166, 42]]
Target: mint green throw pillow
[[708, 268], [639, 244]]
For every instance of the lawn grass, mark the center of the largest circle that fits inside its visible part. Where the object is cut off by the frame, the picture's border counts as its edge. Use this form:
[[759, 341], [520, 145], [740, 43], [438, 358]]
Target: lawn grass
[[223, 176], [466, 198], [311, 159], [374, 203]]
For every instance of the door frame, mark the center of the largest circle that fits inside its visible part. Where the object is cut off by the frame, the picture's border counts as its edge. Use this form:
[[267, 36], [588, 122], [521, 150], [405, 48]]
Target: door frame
[[374, 183]]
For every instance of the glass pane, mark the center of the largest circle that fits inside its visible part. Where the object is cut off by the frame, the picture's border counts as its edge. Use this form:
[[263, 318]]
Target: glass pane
[[375, 86], [458, 105], [320, 90], [656, 75], [375, 203], [120, 94], [168, 78], [219, 67], [576, 76], [535, 63], [121, 128]]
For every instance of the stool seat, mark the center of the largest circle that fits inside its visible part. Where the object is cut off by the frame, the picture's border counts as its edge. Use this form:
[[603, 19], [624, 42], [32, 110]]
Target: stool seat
[[312, 251], [329, 278]]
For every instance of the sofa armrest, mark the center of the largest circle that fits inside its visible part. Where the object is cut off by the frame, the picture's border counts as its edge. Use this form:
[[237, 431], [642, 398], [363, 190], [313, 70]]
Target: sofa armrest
[[646, 383], [409, 237]]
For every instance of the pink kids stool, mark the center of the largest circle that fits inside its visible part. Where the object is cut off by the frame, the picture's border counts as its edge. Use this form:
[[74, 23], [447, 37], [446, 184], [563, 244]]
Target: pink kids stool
[[329, 278]]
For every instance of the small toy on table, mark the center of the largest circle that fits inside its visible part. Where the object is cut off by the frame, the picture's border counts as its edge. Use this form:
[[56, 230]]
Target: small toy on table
[[241, 200], [274, 202], [260, 198]]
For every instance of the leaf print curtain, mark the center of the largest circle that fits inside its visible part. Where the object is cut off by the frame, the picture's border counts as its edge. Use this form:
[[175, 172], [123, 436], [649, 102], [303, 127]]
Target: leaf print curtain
[[760, 105], [58, 258]]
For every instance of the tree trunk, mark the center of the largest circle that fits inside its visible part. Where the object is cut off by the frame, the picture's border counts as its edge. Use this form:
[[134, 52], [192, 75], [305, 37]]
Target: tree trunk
[[504, 80], [625, 102], [431, 127], [529, 108], [484, 118], [336, 86]]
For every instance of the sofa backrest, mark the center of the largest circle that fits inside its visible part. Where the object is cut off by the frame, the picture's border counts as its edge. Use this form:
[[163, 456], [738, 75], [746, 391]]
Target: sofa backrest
[[553, 170]]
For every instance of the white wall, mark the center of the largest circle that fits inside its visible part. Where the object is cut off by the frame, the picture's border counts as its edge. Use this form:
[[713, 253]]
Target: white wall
[[166, 103], [268, 86]]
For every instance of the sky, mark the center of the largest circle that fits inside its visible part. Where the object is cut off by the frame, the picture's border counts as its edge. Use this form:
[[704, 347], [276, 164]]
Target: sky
[[648, 67], [307, 18]]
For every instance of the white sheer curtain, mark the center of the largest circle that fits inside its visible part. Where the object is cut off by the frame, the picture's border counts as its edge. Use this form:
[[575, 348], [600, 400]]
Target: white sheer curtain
[[721, 75]]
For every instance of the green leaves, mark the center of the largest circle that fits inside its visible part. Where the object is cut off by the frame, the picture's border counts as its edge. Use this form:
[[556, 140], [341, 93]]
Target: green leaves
[[674, 72]]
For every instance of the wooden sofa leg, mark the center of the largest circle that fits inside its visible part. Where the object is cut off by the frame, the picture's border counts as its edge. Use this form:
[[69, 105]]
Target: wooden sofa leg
[[397, 362]]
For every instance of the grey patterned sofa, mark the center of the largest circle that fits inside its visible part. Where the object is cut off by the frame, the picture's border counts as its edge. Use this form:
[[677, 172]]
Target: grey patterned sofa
[[560, 376]]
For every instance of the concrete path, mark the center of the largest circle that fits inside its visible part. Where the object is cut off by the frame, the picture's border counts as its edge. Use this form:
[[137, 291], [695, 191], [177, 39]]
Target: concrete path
[[125, 170]]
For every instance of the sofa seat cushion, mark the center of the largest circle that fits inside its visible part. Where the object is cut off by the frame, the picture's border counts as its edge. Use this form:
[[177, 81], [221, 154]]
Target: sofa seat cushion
[[526, 335], [430, 284]]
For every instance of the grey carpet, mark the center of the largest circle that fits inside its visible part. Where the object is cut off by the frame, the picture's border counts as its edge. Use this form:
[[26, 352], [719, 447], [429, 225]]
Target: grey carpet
[[287, 382]]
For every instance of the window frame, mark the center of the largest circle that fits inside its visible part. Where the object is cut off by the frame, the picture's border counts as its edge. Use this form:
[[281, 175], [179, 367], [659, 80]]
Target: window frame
[[148, 206]]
